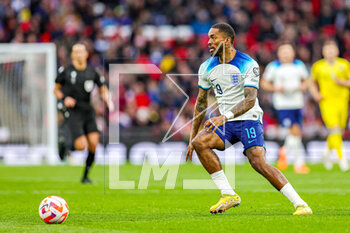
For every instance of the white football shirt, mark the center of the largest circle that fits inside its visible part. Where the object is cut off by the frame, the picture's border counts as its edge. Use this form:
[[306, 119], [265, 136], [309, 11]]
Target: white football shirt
[[228, 81], [288, 76]]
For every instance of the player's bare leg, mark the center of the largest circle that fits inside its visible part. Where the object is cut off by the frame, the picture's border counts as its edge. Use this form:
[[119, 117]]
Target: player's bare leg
[[80, 143], [92, 142], [93, 139], [204, 143], [256, 157]]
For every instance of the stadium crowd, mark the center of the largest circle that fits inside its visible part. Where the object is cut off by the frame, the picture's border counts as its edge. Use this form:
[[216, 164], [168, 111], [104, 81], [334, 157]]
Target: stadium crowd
[[173, 35]]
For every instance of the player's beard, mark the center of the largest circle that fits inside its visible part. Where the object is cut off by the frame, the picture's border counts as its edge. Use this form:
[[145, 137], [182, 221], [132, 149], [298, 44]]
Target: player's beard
[[218, 51]]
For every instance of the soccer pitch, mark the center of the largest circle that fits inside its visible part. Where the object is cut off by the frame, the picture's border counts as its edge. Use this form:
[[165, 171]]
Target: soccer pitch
[[94, 208]]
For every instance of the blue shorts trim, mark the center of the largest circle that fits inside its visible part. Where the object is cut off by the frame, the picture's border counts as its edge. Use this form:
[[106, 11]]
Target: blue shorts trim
[[289, 117], [249, 132]]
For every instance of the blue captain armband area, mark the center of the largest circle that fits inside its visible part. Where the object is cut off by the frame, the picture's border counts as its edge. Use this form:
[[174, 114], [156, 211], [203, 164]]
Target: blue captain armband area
[[251, 85], [205, 88]]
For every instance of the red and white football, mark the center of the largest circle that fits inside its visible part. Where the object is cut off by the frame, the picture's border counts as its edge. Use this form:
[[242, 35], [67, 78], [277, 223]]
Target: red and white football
[[53, 209]]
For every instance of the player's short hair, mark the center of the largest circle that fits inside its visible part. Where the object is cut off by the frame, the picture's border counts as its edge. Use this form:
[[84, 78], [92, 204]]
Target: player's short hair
[[285, 42], [330, 42], [227, 29], [79, 43]]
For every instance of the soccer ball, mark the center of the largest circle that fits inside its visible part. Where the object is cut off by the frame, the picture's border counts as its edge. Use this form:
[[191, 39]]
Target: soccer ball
[[53, 209]]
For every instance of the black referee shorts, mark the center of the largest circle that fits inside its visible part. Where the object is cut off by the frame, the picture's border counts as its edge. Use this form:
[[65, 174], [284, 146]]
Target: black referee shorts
[[81, 123]]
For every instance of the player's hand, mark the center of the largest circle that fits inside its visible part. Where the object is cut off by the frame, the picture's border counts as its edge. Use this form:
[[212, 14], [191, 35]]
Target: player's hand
[[303, 87], [189, 152], [341, 82], [110, 105], [69, 102], [317, 97], [215, 122]]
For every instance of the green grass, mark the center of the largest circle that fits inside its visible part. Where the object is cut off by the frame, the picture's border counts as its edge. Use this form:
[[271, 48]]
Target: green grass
[[95, 208]]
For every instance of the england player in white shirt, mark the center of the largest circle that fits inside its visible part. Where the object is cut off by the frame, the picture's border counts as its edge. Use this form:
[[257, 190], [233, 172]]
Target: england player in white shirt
[[234, 76], [286, 78]]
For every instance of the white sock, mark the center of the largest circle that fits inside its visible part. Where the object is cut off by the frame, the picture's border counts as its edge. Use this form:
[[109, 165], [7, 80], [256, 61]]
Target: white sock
[[289, 192], [222, 183], [298, 152], [293, 146], [288, 144]]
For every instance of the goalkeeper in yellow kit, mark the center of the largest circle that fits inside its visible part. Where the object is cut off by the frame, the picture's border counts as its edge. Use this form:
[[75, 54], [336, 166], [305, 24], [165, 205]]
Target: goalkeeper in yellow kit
[[332, 74]]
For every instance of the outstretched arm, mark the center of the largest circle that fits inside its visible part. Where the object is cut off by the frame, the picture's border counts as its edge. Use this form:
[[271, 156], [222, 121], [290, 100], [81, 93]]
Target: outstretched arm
[[57, 91], [198, 116], [250, 94], [268, 86], [342, 82], [104, 93]]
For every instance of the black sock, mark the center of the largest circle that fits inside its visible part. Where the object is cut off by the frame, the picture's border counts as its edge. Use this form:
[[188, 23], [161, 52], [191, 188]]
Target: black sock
[[89, 160]]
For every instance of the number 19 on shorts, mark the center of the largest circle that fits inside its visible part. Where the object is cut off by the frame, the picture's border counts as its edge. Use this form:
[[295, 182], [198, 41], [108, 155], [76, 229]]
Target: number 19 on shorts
[[250, 132]]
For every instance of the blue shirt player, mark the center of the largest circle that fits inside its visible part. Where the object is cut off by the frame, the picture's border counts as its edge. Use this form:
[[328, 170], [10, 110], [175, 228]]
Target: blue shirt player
[[234, 76]]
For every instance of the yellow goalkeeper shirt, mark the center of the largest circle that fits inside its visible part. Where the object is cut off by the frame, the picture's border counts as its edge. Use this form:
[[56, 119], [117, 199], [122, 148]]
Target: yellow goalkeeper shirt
[[326, 74]]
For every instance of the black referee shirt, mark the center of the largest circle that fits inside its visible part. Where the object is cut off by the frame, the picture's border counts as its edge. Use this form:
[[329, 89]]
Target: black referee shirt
[[78, 84]]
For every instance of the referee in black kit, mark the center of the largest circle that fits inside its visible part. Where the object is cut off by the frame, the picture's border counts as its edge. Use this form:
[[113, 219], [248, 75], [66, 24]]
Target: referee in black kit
[[72, 90]]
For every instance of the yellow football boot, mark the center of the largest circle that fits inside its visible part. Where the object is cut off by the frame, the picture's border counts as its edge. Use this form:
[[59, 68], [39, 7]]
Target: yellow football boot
[[302, 210], [226, 202]]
